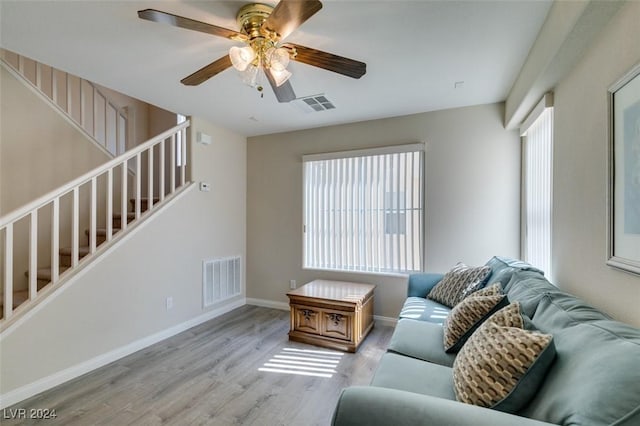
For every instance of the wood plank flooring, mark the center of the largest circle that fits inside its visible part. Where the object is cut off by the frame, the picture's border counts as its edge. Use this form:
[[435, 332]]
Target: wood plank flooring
[[209, 375]]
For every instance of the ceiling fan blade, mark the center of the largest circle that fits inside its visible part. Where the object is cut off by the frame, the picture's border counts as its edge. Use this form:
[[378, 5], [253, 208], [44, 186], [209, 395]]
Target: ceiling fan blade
[[289, 15], [205, 73], [284, 92], [190, 24], [328, 61]]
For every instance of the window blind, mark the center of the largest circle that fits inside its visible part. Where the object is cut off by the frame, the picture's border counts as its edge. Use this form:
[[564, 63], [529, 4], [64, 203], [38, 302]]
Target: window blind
[[538, 148], [363, 210]]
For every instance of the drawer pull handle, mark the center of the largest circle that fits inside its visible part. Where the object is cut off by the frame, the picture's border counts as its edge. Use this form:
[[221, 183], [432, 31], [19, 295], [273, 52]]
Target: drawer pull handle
[[336, 318], [307, 314]]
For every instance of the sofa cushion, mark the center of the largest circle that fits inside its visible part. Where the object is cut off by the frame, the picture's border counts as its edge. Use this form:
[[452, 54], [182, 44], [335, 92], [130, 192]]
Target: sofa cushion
[[419, 308], [467, 316], [421, 340], [528, 288], [409, 374], [595, 379], [420, 284], [502, 365], [498, 263], [449, 291]]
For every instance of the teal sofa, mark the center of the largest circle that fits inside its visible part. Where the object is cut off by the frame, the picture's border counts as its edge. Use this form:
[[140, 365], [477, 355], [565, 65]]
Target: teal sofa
[[594, 380]]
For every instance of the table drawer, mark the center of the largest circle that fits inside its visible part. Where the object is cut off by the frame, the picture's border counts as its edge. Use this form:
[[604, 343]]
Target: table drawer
[[306, 319], [336, 324]]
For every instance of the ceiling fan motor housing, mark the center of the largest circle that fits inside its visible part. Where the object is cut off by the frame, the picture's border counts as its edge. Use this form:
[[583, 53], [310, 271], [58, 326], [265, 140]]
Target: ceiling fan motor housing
[[250, 18]]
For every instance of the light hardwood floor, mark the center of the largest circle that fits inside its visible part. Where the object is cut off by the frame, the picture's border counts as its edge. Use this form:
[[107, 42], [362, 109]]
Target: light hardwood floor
[[209, 375]]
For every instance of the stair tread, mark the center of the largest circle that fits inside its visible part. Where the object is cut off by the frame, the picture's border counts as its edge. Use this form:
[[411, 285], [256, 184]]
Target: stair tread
[[45, 273], [155, 199], [19, 297], [130, 215], [82, 251], [101, 232]]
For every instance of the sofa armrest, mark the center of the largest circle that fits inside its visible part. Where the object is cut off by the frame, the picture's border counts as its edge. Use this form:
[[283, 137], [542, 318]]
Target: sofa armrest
[[371, 406], [421, 284]]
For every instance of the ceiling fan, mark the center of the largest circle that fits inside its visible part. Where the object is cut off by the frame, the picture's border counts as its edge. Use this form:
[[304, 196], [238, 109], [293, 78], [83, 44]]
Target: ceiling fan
[[262, 29]]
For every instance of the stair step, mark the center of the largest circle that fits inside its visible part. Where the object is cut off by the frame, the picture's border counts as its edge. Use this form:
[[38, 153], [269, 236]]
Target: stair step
[[19, 297], [65, 254], [102, 232], [130, 215], [44, 274], [117, 219], [144, 202], [82, 251]]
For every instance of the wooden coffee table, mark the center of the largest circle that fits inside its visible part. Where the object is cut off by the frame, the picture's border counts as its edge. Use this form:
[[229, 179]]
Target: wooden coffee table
[[333, 314]]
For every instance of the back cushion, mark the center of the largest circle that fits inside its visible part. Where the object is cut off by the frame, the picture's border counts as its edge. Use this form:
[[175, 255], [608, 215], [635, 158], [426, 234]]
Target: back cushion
[[595, 379], [498, 263]]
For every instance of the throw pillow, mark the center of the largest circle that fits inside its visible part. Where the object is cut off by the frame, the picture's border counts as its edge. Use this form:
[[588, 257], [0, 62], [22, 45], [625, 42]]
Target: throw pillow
[[467, 316], [501, 366], [449, 291]]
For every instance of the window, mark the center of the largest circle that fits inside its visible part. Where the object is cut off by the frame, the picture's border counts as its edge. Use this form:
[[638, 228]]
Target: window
[[363, 210], [537, 185]]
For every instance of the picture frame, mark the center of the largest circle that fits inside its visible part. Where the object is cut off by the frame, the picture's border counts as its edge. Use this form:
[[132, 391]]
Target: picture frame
[[624, 173]]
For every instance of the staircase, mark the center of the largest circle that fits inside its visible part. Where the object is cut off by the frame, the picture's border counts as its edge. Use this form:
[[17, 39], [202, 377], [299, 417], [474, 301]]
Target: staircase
[[99, 198], [77, 99], [52, 238]]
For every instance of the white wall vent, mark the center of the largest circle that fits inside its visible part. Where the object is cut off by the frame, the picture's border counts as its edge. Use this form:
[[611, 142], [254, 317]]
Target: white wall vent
[[221, 279]]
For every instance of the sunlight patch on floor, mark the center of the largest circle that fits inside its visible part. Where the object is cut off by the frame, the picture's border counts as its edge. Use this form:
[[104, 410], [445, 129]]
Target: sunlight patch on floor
[[304, 362]]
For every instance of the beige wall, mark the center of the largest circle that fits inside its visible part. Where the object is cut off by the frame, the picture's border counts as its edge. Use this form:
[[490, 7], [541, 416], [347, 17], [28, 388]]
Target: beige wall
[[472, 196], [121, 299], [580, 171], [39, 151]]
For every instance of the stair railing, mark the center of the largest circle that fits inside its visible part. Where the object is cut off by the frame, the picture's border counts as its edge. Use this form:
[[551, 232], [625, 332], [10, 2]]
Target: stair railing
[[78, 99], [166, 183]]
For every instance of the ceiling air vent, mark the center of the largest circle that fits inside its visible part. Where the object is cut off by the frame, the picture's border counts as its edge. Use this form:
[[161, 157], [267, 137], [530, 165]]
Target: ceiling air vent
[[317, 103]]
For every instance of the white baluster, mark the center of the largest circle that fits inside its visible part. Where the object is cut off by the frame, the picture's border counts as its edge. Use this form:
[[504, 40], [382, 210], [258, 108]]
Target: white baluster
[[8, 271], [172, 170], [93, 216], [55, 240], [183, 157], [33, 255], [161, 175], [110, 204], [75, 228], [150, 177], [123, 197], [138, 184]]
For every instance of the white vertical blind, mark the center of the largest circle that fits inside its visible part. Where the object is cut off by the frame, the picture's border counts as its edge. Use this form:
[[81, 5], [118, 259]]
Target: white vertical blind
[[538, 146], [363, 210]]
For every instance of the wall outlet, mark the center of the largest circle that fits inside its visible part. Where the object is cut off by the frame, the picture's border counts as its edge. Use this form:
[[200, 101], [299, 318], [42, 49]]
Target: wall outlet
[[169, 303], [292, 284]]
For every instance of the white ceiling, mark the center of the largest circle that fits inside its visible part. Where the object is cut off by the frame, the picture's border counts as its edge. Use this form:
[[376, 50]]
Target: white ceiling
[[415, 52]]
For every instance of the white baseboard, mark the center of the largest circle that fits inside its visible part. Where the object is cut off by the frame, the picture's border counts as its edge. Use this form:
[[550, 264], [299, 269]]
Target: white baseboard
[[70, 373], [268, 304], [380, 320], [385, 321]]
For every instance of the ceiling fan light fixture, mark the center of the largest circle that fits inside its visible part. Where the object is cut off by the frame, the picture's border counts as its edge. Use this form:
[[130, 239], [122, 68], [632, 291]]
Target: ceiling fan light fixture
[[280, 76], [250, 75], [241, 57], [278, 58]]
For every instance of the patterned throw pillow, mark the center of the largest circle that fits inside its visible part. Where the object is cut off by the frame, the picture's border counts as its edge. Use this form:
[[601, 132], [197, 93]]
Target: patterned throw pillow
[[502, 366], [449, 291], [467, 315]]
